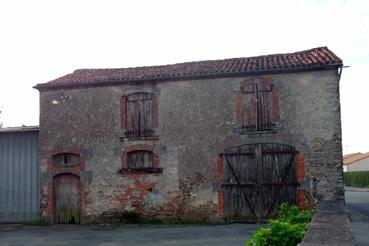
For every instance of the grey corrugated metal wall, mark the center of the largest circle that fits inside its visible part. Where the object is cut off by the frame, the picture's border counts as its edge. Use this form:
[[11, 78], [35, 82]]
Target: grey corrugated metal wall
[[19, 173]]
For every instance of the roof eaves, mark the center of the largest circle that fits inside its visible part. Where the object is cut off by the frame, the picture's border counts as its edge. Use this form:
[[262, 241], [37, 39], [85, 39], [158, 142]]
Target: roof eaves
[[43, 87], [19, 129]]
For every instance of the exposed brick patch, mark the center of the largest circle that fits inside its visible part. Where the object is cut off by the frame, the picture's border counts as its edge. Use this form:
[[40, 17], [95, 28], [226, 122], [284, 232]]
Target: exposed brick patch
[[266, 80], [50, 198], [57, 150], [73, 150], [300, 167], [155, 161], [49, 163], [305, 199], [220, 169], [130, 148], [301, 194], [124, 160], [246, 82], [133, 200], [220, 178], [221, 203], [136, 176], [134, 194]]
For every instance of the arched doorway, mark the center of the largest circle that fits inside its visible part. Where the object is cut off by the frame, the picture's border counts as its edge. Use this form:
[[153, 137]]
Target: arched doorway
[[67, 199], [257, 178]]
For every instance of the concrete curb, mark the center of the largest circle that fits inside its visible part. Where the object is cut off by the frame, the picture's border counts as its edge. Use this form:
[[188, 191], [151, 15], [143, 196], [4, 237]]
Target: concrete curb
[[356, 189], [330, 226], [9, 227]]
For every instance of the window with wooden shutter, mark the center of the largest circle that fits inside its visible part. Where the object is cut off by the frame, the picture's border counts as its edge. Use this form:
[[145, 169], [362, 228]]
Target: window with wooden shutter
[[140, 159], [257, 105], [139, 115]]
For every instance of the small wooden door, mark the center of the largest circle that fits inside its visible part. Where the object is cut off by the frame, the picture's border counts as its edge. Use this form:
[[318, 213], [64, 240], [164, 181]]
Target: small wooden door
[[258, 177], [67, 208]]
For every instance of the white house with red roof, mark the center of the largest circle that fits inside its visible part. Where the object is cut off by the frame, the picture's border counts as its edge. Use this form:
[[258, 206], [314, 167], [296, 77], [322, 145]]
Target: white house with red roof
[[356, 162]]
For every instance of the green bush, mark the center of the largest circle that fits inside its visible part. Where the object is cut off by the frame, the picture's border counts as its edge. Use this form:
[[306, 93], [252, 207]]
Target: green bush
[[294, 214], [287, 230], [357, 179]]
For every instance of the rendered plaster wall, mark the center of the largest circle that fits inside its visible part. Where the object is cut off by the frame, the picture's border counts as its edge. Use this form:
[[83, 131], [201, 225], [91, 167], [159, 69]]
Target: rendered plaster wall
[[197, 120], [361, 165]]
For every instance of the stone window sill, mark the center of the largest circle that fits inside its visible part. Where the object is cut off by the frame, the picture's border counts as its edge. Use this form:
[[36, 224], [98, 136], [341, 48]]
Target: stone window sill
[[242, 132], [125, 138], [140, 170]]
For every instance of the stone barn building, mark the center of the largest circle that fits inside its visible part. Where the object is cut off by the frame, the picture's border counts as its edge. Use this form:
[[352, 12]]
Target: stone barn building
[[208, 140]]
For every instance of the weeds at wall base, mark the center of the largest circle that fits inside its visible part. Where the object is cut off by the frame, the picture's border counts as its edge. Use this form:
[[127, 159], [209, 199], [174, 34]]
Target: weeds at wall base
[[288, 229], [128, 219]]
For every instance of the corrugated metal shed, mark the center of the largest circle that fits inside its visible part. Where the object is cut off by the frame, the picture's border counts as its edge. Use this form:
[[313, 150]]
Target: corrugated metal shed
[[19, 174]]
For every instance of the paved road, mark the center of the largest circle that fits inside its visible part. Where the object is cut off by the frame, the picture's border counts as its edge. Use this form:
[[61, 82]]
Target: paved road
[[357, 204], [213, 235]]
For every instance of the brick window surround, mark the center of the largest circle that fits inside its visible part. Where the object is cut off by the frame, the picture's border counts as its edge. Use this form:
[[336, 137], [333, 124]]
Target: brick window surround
[[130, 123], [257, 105]]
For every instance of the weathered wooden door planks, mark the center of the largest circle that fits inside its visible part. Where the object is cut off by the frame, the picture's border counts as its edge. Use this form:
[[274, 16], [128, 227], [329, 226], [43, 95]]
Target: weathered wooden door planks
[[257, 178], [67, 203]]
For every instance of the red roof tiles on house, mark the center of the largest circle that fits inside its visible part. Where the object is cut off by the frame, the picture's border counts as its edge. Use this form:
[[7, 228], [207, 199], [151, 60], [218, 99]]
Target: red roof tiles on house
[[309, 59], [352, 158]]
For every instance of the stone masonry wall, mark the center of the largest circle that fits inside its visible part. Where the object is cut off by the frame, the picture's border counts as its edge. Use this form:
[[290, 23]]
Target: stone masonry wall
[[197, 120]]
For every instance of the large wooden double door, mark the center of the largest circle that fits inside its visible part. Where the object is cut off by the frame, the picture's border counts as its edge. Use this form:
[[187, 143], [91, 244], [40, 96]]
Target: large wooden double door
[[257, 178]]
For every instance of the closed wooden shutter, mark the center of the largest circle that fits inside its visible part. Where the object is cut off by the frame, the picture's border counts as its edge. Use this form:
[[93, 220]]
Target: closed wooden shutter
[[140, 159], [139, 115], [145, 114], [250, 107], [265, 106]]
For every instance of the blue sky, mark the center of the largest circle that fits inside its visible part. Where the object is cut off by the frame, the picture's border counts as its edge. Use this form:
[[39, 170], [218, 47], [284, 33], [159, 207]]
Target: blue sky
[[43, 40]]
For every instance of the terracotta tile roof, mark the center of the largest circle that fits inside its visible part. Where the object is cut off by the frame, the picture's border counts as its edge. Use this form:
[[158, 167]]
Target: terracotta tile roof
[[352, 158], [352, 154], [308, 59]]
